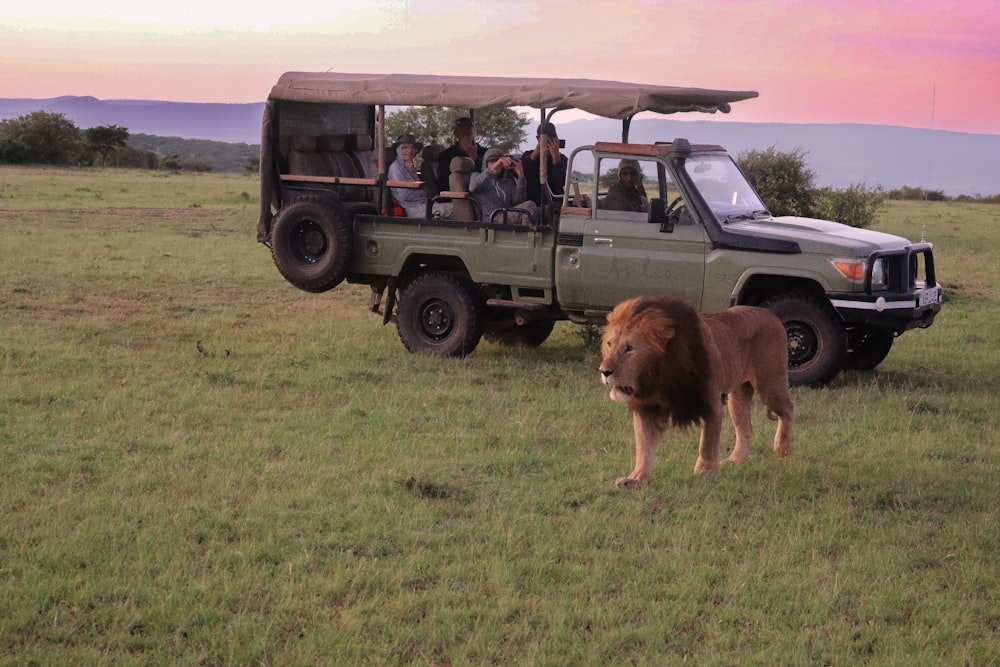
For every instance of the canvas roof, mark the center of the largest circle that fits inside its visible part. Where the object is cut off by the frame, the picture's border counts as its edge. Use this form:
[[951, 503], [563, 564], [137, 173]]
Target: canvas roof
[[611, 99]]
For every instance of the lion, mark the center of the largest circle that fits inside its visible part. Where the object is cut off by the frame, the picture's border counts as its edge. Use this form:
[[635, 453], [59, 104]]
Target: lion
[[673, 367]]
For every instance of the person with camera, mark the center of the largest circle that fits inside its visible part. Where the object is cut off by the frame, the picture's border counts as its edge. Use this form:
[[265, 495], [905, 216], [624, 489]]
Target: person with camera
[[501, 184], [555, 164]]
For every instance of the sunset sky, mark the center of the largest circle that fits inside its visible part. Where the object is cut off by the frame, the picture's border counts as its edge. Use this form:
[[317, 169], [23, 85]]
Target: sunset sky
[[912, 63]]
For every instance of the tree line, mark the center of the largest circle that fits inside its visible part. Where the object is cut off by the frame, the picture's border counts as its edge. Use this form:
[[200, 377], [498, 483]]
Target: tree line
[[49, 138], [784, 180]]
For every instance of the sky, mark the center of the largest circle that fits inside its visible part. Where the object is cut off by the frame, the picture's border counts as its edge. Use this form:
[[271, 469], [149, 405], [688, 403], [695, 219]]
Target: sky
[[910, 63]]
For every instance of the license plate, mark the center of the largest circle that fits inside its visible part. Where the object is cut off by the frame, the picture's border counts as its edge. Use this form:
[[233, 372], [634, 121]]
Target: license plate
[[929, 296]]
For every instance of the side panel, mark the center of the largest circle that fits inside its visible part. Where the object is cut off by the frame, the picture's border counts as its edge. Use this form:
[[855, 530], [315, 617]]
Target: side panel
[[508, 256]]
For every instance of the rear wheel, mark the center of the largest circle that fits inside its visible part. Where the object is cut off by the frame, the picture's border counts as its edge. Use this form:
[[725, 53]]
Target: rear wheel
[[311, 244], [817, 340], [869, 347], [439, 315]]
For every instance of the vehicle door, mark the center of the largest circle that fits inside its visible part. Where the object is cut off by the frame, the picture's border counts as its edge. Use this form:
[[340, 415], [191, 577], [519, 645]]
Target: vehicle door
[[625, 255]]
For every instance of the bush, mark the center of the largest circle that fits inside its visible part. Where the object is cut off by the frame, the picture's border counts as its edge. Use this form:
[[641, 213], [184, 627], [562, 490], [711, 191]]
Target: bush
[[856, 206], [908, 193], [783, 181], [40, 137]]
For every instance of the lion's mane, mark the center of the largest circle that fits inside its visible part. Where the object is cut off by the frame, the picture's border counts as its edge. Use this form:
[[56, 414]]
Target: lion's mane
[[672, 387]]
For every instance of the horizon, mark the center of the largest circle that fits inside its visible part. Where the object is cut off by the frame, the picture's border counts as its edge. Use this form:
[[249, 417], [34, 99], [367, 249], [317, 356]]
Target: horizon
[[578, 115], [917, 64]]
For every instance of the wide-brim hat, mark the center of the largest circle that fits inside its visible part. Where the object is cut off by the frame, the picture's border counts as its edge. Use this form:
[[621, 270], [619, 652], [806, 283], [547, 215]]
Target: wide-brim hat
[[408, 138]]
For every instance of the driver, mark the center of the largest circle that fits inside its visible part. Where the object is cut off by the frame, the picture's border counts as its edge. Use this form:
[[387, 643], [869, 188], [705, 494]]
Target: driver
[[627, 194]]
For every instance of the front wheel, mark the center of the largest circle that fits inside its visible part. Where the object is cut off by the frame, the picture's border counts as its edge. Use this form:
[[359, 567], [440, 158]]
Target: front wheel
[[439, 315], [869, 347], [817, 340]]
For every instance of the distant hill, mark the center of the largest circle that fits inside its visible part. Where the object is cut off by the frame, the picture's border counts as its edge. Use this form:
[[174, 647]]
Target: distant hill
[[840, 155]]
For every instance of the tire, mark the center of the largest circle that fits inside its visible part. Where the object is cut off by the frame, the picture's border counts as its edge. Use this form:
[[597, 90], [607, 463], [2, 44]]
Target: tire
[[869, 346], [530, 334], [439, 315], [311, 244], [817, 339]]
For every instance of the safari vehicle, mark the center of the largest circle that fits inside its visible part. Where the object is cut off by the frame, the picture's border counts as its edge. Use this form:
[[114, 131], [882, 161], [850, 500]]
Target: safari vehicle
[[844, 294]]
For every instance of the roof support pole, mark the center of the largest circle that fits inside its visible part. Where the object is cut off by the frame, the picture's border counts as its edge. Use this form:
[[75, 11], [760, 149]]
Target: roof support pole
[[380, 139], [543, 167]]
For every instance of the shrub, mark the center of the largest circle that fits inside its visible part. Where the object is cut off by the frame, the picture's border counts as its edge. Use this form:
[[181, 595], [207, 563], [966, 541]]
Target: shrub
[[782, 180], [909, 193], [40, 137], [856, 206]]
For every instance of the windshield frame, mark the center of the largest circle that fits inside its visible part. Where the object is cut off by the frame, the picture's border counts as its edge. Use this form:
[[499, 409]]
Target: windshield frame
[[724, 188]]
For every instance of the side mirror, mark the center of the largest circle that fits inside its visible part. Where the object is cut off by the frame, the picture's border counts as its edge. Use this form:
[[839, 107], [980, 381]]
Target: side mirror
[[658, 215]]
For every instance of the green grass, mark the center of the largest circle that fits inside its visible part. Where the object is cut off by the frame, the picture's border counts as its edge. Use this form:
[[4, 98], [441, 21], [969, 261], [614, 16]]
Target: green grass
[[202, 465]]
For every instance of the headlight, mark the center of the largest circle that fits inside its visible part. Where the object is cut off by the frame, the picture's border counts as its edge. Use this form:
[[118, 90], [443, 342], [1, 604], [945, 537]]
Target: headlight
[[854, 269], [878, 275]]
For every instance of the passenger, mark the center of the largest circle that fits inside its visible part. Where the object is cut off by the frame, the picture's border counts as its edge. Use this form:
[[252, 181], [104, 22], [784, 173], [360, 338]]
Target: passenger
[[628, 194], [465, 146], [494, 188], [413, 200], [556, 162]]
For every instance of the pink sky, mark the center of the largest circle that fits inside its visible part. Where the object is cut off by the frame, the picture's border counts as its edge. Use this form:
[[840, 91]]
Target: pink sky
[[912, 63]]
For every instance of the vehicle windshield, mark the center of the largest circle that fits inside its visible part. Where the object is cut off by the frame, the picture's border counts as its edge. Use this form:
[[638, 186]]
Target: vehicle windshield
[[724, 188]]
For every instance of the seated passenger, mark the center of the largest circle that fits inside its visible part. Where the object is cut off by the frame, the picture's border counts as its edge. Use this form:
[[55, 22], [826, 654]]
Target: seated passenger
[[465, 146], [413, 200], [627, 194], [495, 187]]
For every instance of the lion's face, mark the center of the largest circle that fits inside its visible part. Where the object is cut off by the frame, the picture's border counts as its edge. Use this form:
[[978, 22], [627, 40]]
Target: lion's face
[[634, 341]]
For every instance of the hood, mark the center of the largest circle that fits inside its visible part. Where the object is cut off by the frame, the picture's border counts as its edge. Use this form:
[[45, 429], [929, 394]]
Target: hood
[[820, 235], [491, 154]]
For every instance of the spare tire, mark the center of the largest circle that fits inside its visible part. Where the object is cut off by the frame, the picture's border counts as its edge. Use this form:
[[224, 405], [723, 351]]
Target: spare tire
[[311, 243]]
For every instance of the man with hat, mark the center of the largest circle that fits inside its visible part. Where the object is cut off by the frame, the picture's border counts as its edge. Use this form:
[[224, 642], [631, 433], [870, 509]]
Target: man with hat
[[465, 146], [413, 200], [555, 163]]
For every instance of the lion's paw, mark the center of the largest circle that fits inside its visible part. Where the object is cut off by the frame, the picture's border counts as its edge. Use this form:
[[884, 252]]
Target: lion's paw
[[627, 483], [703, 467]]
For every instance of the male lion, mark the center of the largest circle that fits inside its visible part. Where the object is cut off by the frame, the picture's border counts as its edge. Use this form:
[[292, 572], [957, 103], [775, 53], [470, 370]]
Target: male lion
[[673, 367]]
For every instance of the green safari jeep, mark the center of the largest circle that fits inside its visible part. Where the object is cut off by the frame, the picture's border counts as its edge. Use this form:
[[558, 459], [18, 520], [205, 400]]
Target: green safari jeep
[[701, 231]]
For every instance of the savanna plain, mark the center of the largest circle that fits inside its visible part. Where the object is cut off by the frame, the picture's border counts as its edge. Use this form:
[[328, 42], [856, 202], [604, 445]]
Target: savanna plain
[[201, 465]]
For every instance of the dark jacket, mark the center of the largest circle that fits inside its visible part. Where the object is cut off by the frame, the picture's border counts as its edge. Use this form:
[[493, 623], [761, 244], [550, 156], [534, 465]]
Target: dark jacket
[[444, 163], [556, 175]]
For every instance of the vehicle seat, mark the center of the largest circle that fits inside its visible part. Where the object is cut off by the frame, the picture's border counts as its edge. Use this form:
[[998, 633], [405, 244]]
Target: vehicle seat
[[360, 147], [382, 195], [333, 148], [303, 160], [458, 181], [429, 168]]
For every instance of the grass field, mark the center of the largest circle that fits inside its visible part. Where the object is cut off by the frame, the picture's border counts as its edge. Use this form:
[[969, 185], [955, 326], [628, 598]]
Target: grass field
[[201, 465]]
